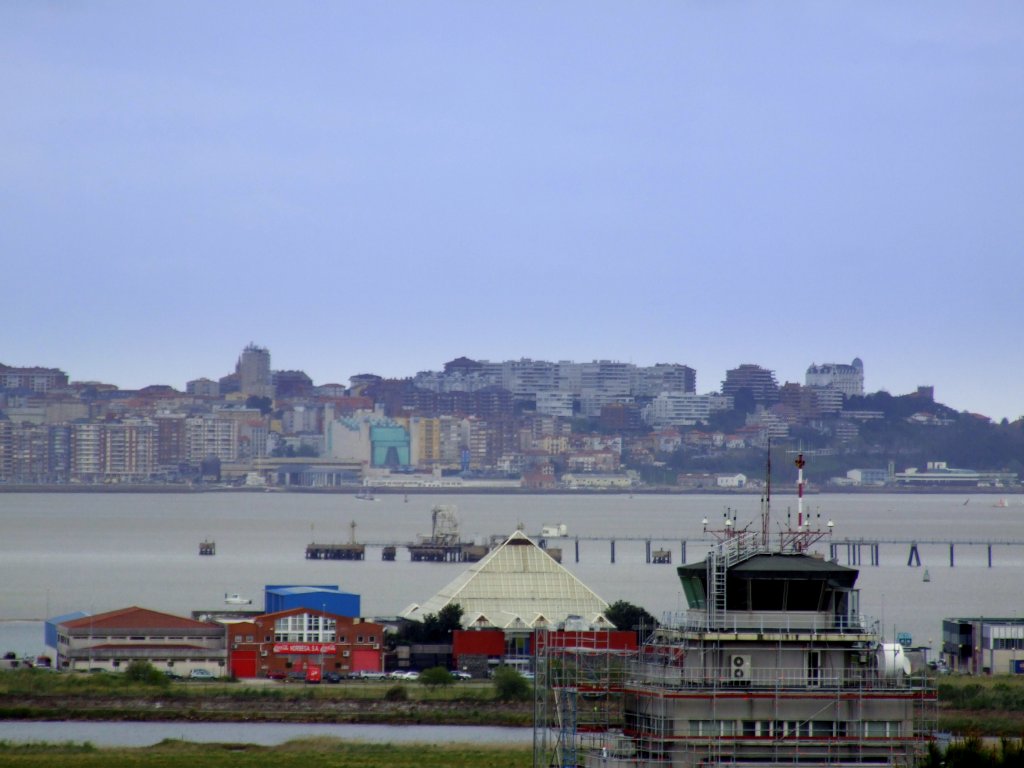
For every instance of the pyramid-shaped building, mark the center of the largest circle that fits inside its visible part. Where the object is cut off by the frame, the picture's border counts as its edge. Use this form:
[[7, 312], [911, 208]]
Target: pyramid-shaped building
[[517, 586]]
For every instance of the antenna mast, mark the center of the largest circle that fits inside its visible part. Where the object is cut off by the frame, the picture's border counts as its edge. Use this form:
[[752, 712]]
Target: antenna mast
[[766, 499]]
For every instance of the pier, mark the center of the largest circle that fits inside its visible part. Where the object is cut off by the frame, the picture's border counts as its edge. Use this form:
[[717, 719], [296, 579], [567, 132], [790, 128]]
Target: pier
[[350, 551], [855, 549], [446, 553], [656, 550], [335, 552]]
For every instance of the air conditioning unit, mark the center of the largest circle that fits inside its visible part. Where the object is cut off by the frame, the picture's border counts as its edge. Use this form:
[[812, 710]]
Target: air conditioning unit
[[263, 653], [739, 667], [376, 646], [344, 654]]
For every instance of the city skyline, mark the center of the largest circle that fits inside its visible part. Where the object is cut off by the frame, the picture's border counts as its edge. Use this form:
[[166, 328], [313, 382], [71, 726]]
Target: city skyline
[[385, 188], [252, 381]]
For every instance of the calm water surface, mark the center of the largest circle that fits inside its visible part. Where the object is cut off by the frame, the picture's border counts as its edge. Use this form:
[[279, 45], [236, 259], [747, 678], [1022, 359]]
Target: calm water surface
[[266, 734], [96, 552]]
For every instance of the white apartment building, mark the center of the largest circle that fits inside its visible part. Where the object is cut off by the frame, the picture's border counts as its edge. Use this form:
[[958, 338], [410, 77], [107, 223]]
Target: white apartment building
[[555, 404], [300, 418], [682, 408], [602, 381], [677, 408], [770, 425], [87, 451], [663, 377], [829, 399], [209, 435]]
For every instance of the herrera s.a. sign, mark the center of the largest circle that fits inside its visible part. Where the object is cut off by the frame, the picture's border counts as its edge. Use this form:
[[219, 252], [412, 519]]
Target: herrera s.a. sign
[[327, 648]]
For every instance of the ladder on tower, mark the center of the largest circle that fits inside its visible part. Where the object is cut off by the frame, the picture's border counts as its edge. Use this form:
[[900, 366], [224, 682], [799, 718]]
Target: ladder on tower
[[722, 557]]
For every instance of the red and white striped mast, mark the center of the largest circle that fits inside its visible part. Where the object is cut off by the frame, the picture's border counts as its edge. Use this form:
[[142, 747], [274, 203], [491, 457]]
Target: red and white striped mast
[[799, 491]]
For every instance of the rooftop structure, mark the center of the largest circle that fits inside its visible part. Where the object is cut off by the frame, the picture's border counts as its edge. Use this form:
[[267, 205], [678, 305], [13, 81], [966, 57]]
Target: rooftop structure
[[112, 640]]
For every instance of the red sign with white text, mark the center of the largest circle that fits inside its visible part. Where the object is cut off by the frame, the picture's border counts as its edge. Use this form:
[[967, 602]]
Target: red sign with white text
[[329, 648]]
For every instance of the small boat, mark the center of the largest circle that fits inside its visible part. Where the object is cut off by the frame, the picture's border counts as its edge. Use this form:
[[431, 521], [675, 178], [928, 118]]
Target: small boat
[[365, 496], [1001, 504], [236, 599]]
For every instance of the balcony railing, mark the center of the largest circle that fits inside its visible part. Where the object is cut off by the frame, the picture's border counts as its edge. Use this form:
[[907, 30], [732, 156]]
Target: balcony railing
[[660, 674], [772, 622]]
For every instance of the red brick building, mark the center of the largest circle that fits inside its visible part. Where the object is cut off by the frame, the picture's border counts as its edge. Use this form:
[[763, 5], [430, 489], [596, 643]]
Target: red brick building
[[303, 640]]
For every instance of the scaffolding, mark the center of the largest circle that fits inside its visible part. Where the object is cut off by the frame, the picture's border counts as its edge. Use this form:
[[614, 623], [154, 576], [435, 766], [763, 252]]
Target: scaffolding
[[702, 713], [676, 701], [772, 665], [578, 710]]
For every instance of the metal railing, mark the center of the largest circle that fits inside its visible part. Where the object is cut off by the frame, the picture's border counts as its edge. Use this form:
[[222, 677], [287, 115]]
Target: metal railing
[[661, 672], [696, 620]]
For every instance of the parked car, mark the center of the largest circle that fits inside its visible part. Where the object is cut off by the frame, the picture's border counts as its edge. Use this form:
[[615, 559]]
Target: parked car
[[404, 674], [331, 677], [276, 675], [459, 674], [368, 674], [201, 674]]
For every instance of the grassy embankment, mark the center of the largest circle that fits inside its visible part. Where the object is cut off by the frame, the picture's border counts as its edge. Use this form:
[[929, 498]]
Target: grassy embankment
[[302, 753], [968, 706], [982, 706], [38, 695]]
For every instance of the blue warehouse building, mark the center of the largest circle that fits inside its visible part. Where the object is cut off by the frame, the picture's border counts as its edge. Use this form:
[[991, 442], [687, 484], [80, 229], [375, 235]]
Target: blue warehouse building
[[323, 597]]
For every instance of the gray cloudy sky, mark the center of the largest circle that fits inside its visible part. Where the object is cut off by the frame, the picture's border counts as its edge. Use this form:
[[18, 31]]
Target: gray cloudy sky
[[381, 187]]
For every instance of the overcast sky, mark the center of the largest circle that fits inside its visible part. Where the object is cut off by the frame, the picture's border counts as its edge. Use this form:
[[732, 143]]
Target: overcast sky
[[385, 186]]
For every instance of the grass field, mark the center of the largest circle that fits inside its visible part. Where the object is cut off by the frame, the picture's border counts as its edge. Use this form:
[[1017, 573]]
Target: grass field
[[323, 753]]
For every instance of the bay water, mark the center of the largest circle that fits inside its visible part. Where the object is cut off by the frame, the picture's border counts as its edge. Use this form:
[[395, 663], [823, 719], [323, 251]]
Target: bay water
[[94, 552]]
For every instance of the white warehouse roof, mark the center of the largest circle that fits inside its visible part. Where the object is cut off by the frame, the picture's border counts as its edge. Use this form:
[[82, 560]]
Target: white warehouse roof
[[517, 586]]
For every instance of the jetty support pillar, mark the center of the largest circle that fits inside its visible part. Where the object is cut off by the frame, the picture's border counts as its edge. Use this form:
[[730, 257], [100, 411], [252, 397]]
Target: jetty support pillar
[[914, 559]]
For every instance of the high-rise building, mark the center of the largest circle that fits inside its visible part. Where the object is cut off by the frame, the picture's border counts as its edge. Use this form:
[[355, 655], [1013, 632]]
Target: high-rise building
[[253, 369], [209, 435], [759, 381], [35, 379]]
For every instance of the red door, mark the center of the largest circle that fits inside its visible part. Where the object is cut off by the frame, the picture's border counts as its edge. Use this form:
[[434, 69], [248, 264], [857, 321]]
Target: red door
[[243, 663], [365, 661]]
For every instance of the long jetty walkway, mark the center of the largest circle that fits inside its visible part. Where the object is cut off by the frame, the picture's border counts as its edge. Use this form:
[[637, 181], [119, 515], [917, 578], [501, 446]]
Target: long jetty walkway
[[854, 549], [659, 550]]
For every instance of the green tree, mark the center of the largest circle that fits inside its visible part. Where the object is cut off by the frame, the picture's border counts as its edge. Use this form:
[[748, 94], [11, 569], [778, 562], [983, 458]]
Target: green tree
[[509, 685], [436, 677], [434, 628], [625, 615], [144, 672]]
